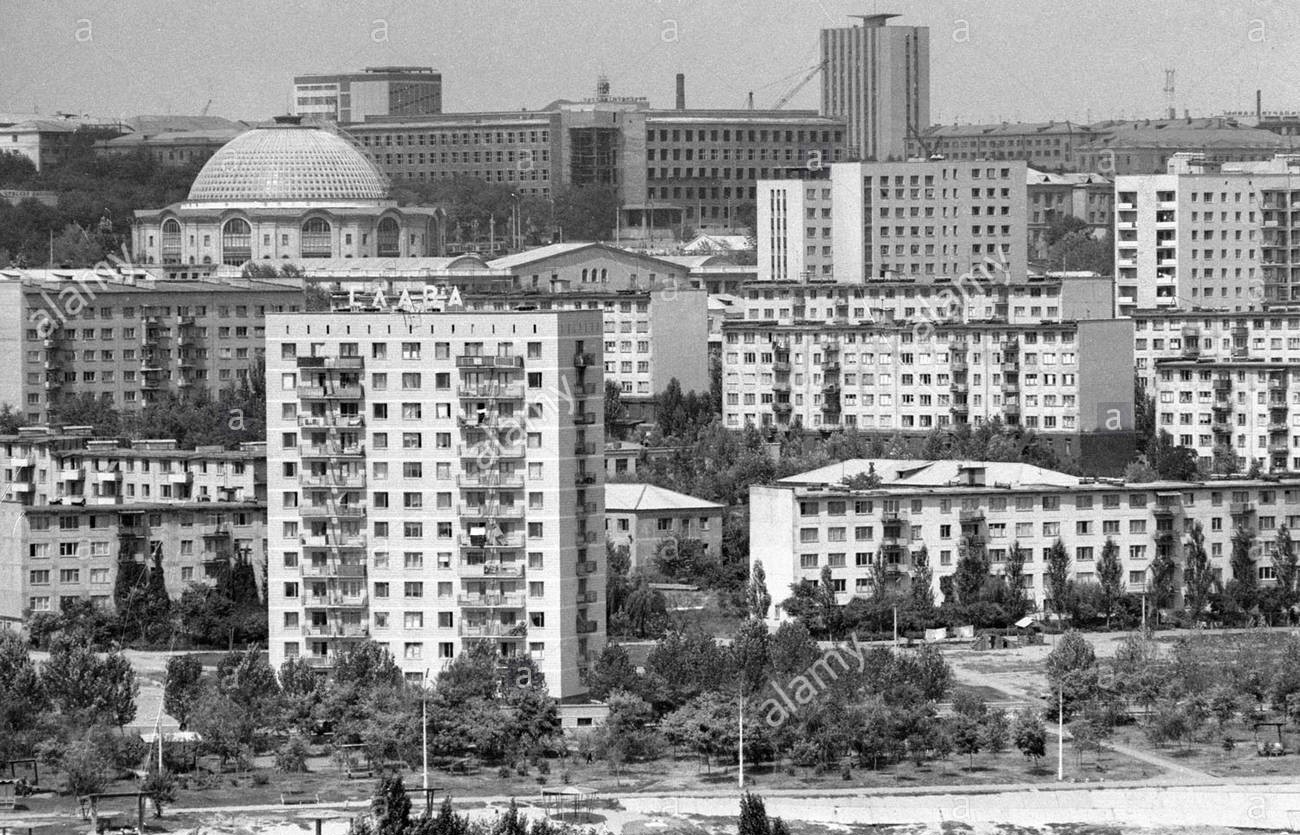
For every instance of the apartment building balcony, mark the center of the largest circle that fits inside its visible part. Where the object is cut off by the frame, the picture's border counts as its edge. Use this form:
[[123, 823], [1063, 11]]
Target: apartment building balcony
[[958, 365], [490, 480], [332, 510], [1241, 509], [586, 627], [331, 363], [584, 479], [490, 421], [782, 410], [504, 570], [583, 360], [491, 391], [960, 408], [490, 511], [72, 473], [336, 630], [325, 571], [19, 462], [588, 597], [586, 567], [1168, 508], [319, 662], [337, 600], [331, 420], [477, 361], [504, 600], [1221, 427], [831, 367], [1222, 384], [21, 487], [1277, 427], [180, 477], [331, 450], [330, 392], [970, 515], [105, 476], [1011, 409], [781, 367], [501, 542], [830, 387], [781, 386], [1011, 387], [1221, 407], [336, 541], [333, 481], [1279, 446], [492, 452], [586, 508], [516, 631], [1010, 365], [1277, 383], [584, 419]]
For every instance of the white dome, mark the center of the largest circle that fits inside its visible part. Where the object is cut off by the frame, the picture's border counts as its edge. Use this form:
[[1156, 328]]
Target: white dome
[[288, 162]]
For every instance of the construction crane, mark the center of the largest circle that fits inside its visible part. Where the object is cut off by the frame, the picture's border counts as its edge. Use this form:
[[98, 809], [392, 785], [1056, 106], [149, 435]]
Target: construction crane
[[204, 111], [808, 76]]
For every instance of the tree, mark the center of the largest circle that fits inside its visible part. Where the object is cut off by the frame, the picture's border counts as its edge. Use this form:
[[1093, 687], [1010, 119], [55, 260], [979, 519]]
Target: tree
[[1288, 568], [971, 572], [966, 739], [753, 816], [1198, 574], [1163, 572], [225, 727], [1170, 461], [1017, 602], [757, 599], [749, 655], [22, 696], [921, 590], [615, 410], [248, 680], [1072, 670], [994, 731], [585, 213], [1110, 575], [89, 689], [1056, 577], [368, 665], [612, 670], [86, 767], [1243, 589], [1031, 735], [160, 788], [182, 687], [391, 807], [645, 612]]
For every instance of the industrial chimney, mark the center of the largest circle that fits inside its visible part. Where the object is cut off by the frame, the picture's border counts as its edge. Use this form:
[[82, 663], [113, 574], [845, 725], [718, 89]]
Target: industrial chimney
[[602, 88], [681, 91], [1259, 104]]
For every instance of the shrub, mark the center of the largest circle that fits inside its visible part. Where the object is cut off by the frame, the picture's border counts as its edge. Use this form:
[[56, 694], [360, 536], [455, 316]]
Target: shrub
[[292, 757]]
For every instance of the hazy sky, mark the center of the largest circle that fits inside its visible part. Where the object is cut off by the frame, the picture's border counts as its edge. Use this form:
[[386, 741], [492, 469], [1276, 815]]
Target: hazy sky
[[991, 59]]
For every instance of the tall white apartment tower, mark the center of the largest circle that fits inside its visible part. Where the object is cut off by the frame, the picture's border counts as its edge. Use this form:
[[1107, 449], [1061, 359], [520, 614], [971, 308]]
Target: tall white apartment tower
[[877, 78], [435, 479]]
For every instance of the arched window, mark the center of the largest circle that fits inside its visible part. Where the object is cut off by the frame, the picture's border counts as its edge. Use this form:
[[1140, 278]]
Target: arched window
[[316, 241], [390, 238], [171, 241], [236, 242]]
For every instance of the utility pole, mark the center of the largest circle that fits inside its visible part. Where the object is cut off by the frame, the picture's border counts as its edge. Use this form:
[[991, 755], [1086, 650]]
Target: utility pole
[[424, 736], [895, 628], [1060, 734], [740, 775]]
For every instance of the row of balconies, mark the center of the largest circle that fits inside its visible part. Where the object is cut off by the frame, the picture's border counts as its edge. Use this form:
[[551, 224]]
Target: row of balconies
[[332, 449], [332, 510], [332, 392], [331, 363], [497, 569], [491, 511], [338, 480], [501, 600], [332, 419], [491, 391], [493, 362]]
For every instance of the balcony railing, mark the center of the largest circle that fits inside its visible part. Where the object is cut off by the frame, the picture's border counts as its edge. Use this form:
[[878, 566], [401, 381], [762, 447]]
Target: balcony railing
[[491, 511], [509, 570], [480, 361], [490, 480], [332, 450], [491, 391], [334, 481], [492, 452], [505, 600], [513, 540], [493, 630], [332, 510], [320, 571]]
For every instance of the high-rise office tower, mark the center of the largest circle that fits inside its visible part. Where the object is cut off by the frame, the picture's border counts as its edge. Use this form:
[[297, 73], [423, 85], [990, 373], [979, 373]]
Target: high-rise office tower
[[877, 77]]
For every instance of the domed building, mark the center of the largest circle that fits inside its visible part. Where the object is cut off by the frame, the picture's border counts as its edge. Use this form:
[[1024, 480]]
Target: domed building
[[284, 192]]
